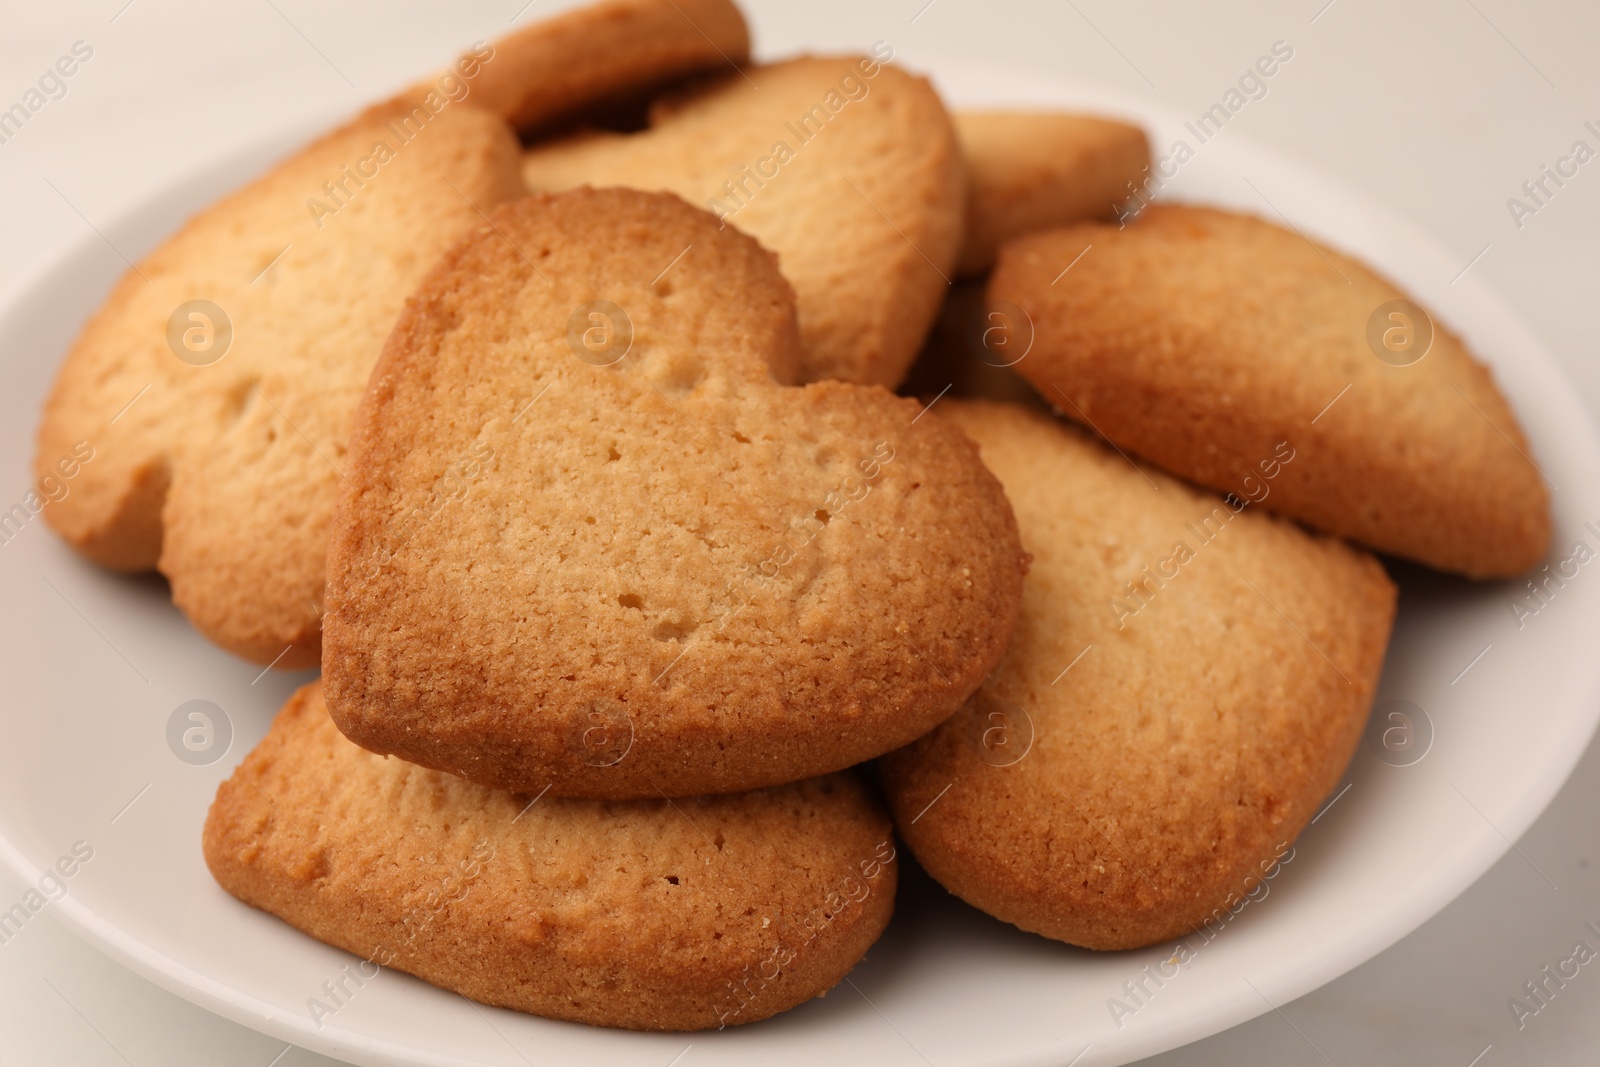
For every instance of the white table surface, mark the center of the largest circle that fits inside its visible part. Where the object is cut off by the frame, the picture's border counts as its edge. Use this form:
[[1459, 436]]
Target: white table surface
[[1442, 109]]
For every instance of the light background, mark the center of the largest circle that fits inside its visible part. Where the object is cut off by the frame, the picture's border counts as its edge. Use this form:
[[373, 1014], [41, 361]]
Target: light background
[[1441, 109]]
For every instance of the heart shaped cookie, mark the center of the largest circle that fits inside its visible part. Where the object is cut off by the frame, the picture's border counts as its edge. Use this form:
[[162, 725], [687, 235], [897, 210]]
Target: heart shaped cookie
[[592, 541], [214, 390], [215, 387], [846, 167], [691, 914], [1187, 681]]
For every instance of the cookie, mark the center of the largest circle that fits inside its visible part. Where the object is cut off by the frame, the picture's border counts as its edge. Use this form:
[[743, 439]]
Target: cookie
[[649, 914], [1189, 677], [845, 166], [1199, 339], [216, 385], [590, 541], [1035, 170], [552, 68]]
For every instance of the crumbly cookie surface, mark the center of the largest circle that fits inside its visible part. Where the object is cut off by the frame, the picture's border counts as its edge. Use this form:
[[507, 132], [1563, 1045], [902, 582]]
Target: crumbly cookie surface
[[591, 541], [1185, 686], [218, 428], [653, 915], [1198, 338], [845, 166], [1036, 170]]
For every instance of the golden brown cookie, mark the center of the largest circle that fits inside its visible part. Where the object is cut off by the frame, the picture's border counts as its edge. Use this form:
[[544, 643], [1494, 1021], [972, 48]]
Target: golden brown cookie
[[1199, 338], [551, 68], [590, 539], [846, 167], [1035, 170], [1187, 681], [216, 385], [648, 914]]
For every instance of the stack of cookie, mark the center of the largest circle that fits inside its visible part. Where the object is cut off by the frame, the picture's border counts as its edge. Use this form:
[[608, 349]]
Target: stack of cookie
[[554, 421]]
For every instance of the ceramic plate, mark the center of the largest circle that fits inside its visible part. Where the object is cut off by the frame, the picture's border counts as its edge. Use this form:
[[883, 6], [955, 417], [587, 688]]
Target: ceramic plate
[[1482, 712]]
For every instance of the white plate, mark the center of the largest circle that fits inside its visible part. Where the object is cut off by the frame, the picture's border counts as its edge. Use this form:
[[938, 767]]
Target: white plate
[[97, 665]]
